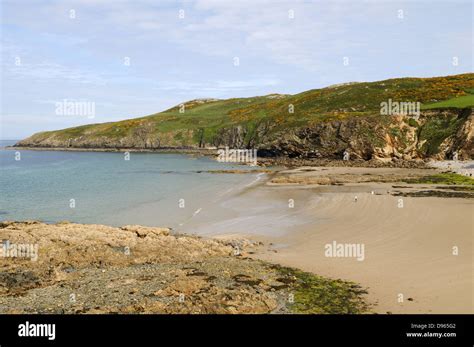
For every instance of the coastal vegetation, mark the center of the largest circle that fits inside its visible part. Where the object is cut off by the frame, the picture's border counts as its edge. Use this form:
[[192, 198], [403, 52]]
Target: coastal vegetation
[[447, 178], [320, 122], [320, 295], [459, 102]]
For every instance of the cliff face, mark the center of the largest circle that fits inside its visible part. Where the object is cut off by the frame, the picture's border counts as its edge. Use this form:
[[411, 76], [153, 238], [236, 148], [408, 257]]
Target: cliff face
[[434, 134]]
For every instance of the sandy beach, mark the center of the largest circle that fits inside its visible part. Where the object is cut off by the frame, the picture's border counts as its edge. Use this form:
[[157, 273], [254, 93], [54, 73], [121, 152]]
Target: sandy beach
[[418, 251], [334, 239]]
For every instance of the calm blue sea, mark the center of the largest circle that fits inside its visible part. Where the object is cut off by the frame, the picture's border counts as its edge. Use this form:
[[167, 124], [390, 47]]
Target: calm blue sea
[[103, 188]]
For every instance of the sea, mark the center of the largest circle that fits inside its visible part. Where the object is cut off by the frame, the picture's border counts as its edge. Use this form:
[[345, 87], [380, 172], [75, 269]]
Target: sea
[[151, 189]]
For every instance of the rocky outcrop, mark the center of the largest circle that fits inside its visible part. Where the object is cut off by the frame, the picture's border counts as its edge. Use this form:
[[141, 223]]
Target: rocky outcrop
[[80, 268], [435, 134], [432, 135], [462, 141]]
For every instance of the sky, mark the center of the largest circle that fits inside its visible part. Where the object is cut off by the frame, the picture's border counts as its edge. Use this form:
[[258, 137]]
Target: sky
[[139, 57]]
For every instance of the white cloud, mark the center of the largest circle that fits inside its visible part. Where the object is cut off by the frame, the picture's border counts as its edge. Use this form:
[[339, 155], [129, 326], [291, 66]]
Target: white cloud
[[211, 28]]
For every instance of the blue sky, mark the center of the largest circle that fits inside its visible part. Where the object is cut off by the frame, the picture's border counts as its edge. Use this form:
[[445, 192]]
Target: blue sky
[[175, 59]]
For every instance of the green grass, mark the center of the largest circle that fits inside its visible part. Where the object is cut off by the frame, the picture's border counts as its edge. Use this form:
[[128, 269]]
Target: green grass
[[446, 178], [459, 102]]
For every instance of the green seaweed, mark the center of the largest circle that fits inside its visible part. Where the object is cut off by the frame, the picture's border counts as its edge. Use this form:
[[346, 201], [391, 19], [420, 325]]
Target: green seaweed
[[447, 178], [315, 294]]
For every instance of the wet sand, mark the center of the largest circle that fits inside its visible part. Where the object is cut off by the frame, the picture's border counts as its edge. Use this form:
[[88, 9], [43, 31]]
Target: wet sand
[[407, 250]]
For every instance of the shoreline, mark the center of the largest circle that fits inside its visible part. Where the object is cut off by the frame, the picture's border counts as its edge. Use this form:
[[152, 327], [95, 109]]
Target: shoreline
[[408, 250], [279, 162], [356, 205], [200, 151]]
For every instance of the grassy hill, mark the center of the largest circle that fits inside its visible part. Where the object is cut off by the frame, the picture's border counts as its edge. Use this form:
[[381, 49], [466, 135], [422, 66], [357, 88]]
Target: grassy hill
[[459, 102], [210, 122]]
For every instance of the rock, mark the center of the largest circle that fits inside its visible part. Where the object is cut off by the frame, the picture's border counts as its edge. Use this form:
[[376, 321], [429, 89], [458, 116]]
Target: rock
[[83, 269], [142, 231]]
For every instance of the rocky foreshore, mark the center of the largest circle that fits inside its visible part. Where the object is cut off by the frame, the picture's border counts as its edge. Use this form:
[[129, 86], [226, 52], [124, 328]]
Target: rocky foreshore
[[78, 268], [327, 162], [279, 161]]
